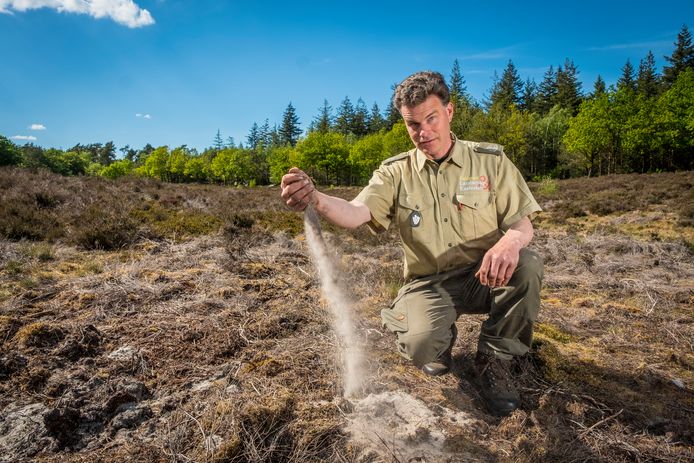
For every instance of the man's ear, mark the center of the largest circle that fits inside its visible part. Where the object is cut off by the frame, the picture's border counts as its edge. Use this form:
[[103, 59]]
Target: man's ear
[[449, 111]]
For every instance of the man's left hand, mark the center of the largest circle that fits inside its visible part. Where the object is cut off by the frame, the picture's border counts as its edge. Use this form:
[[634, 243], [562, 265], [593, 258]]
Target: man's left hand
[[498, 264]]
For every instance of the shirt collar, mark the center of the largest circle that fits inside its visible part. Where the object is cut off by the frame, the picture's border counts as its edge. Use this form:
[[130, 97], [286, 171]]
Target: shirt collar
[[455, 155]]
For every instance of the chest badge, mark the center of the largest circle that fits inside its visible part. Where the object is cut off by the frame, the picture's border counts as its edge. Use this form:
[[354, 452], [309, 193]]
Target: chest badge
[[415, 219]]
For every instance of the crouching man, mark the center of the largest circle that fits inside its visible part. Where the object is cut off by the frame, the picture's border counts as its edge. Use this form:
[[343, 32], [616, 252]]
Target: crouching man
[[463, 212]]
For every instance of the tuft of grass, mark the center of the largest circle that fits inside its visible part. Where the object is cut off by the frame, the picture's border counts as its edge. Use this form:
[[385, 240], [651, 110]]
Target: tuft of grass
[[38, 334], [13, 267], [552, 332], [41, 251]]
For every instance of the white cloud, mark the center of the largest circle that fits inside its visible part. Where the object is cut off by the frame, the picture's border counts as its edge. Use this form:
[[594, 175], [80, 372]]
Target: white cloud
[[624, 46], [124, 12], [37, 127], [144, 116], [24, 137]]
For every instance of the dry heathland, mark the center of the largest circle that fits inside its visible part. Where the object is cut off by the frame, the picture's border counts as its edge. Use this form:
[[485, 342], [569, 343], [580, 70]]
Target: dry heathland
[[142, 321]]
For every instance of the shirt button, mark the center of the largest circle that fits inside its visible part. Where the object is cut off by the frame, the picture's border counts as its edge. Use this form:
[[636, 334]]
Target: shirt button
[[443, 195], [450, 245], [445, 219]]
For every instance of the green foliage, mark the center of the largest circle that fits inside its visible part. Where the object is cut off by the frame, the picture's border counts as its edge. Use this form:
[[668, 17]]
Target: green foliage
[[366, 154], [9, 153], [280, 160], [324, 156], [117, 169], [232, 166]]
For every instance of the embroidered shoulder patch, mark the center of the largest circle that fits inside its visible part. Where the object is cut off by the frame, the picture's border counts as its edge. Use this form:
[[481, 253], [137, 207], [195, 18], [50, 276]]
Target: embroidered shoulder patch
[[488, 148]]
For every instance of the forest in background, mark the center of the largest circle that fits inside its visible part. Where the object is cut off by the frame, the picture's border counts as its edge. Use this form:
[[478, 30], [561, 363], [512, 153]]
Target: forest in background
[[551, 129]]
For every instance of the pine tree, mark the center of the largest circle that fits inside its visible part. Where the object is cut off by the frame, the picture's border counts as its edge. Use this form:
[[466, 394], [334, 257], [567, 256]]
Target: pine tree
[[547, 91], [361, 115], [568, 87], [218, 142], [506, 90], [323, 123], [231, 143], [529, 97], [648, 81], [682, 57], [289, 130], [599, 87], [264, 135], [345, 115], [627, 80], [253, 138], [376, 121], [457, 87]]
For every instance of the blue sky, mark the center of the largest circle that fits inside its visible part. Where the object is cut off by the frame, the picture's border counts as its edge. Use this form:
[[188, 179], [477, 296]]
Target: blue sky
[[173, 72]]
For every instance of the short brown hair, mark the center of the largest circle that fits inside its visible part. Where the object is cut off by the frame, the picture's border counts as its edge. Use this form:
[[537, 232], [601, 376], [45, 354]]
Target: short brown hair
[[418, 87]]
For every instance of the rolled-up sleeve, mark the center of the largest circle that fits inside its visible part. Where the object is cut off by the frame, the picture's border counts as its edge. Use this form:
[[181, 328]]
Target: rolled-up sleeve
[[513, 197], [379, 196]]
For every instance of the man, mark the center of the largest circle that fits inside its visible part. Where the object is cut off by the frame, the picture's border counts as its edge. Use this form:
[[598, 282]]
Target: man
[[463, 211]]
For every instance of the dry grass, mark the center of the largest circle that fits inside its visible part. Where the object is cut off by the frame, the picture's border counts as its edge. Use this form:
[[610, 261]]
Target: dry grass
[[203, 336]]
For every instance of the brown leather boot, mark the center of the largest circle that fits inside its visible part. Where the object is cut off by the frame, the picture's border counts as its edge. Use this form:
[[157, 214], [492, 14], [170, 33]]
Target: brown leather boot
[[442, 365], [496, 384]]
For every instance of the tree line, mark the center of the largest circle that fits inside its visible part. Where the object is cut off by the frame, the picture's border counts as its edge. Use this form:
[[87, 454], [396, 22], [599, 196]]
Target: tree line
[[643, 123]]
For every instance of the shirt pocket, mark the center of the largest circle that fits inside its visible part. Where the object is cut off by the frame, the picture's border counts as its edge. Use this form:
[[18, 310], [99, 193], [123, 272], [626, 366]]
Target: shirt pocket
[[415, 218], [477, 214]]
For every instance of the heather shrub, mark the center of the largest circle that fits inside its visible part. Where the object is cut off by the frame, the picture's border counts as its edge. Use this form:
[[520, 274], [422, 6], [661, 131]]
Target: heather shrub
[[103, 228]]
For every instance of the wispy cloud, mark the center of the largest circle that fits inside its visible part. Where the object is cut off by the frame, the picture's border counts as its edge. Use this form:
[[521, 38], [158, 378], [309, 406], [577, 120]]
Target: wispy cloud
[[124, 12], [497, 53], [24, 137], [638, 45], [37, 127], [143, 116]]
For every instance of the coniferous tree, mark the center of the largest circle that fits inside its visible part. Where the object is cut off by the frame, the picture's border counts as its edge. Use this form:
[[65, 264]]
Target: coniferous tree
[[107, 154], [360, 118], [218, 142], [599, 87], [529, 96], [264, 135], [376, 121], [568, 87], [253, 138], [457, 86], [627, 80], [231, 143], [345, 116], [648, 81], [682, 57], [547, 91], [289, 130], [506, 91], [323, 123]]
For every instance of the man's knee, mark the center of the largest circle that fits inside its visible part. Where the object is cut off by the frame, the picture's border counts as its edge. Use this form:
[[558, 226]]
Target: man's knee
[[530, 267], [423, 347]]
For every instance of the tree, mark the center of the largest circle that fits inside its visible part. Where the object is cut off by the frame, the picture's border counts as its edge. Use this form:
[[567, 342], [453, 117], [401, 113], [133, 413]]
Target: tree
[[323, 123], [682, 57], [376, 122], [599, 87], [9, 153], [324, 155], [568, 87], [588, 137], [107, 154], [345, 116], [648, 80], [359, 121], [529, 96], [265, 134], [156, 164], [547, 91], [545, 141], [506, 91], [675, 119], [253, 138], [457, 85], [218, 142], [289, 130], [365, 155], [628, 78]]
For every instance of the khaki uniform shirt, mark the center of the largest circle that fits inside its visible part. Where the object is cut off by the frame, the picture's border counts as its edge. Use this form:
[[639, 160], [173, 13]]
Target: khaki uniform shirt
[[450, 214]]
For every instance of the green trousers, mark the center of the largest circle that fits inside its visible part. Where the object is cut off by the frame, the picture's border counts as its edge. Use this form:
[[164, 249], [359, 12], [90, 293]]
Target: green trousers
[[425, 308]]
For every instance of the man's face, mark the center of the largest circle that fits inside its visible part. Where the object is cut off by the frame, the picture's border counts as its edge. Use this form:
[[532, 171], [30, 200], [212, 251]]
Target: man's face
[[429, 126]]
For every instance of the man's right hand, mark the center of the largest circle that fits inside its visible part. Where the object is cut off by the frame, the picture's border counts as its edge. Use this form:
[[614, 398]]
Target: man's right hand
[[298, 189]]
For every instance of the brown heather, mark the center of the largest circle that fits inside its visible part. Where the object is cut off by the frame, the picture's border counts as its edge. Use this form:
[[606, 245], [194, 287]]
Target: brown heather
[[144, 321]]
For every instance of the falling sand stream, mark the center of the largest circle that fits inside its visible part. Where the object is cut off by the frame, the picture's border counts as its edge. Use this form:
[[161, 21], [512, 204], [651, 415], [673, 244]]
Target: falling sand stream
[[349, 351]]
